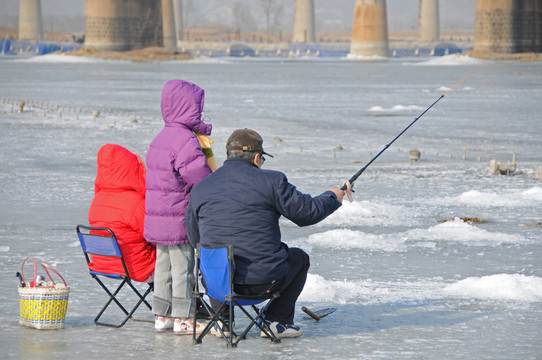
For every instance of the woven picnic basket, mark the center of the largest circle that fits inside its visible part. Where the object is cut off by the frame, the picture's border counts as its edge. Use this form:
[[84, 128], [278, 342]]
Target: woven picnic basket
[[42, 305]]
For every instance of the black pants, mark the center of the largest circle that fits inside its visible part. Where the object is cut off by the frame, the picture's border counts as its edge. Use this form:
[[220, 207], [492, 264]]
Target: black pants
[[283, 308]]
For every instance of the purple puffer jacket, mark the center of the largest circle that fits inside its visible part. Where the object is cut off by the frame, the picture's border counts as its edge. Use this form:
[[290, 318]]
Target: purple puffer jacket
[[175, 163]]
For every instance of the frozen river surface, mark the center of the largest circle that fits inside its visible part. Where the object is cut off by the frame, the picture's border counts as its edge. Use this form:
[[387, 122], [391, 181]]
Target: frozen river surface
[[407, 285]]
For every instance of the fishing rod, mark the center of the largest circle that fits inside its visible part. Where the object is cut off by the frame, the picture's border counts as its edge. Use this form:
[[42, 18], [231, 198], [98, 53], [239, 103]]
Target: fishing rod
[[356, 175]]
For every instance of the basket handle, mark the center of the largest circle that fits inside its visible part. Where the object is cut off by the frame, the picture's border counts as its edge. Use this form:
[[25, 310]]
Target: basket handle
[[35, 269], [45, 267]]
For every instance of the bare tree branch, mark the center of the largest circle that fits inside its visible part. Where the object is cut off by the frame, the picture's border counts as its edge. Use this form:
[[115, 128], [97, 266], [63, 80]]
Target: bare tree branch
[[242, 17], [267, 7], [189, 12]]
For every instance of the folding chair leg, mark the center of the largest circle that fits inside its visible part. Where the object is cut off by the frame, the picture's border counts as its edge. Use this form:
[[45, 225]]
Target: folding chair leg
[[230, 342], [196, 339], [141, 300], [112, 298], [142, 297], [214, 321], [258, 321]]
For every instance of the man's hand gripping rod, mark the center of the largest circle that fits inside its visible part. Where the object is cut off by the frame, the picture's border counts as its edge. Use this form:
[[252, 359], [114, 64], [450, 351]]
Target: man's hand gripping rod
[[356, 175]]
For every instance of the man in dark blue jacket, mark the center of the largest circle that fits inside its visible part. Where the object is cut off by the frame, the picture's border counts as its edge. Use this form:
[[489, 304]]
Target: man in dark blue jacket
[[240, 204]]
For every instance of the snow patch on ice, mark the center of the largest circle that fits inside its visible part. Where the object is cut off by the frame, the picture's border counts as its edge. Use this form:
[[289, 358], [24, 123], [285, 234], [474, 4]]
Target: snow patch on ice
[[397, 108], [498, 287], [62, 58], [451, 231], [367, 213], [363, 57], [349, 239], [459, 231], [4, 248], [507, 287], [451, 60], [319, 289], [488, 198], [204, 60], [534, 193]]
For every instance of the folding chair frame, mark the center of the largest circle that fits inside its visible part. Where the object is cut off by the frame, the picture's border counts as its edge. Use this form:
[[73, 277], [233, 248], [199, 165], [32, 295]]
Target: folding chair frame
[[108, 246], [232, 300]]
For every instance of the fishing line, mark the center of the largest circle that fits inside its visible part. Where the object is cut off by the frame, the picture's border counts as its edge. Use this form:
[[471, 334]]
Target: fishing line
[[356, 175]]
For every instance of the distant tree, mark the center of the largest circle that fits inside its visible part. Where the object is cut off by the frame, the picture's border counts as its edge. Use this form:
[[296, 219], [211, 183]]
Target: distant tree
[[273, 12], [278, 16], [189, 11], [237, 10], [242, 17], [10, 21], [62, 24]]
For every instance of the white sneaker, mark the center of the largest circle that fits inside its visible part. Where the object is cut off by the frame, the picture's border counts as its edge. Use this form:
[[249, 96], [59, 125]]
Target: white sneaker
[[185, 327], [224, 325], [284, 330], [162, 323]]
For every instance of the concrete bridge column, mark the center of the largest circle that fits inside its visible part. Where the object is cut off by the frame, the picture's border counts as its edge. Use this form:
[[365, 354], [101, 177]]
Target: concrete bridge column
[[428, 24], [493, 26], [110, 24], [530, 26], [168, 25], [304, 21], [508, 26], [30, 22], [370, 29], [178, 16], [122, 25]]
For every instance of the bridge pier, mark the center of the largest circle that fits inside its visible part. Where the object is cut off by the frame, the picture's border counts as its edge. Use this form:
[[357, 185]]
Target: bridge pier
[[304, 21], [178, 16], [370, 29], [428, 23], [122, 25], [168, 25], [508, 26], [30, 21]]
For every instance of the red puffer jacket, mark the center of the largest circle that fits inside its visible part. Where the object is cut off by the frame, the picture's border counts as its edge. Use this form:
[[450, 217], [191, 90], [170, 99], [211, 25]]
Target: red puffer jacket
[[119, 204]]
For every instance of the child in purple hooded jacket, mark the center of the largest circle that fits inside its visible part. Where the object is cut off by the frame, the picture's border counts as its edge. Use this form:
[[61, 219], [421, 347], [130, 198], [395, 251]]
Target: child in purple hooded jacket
[[175, 162]]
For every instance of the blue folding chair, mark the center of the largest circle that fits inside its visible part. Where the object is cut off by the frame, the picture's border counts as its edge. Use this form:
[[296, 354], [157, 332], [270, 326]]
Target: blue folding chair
[[107, 245], [216, 265]]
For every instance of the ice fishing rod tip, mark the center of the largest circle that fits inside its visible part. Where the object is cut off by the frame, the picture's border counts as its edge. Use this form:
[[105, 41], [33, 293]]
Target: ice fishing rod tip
[[446, 93]]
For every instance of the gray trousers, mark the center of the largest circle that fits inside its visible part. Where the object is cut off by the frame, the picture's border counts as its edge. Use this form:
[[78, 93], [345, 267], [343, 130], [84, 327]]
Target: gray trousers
[[173, 280]]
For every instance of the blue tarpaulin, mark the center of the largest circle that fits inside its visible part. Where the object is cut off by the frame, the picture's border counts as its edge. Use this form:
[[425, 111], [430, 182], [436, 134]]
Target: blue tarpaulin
[[15, 47]]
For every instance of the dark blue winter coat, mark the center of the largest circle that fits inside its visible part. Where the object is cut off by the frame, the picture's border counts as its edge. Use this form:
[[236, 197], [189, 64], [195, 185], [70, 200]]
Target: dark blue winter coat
[[240, 204]]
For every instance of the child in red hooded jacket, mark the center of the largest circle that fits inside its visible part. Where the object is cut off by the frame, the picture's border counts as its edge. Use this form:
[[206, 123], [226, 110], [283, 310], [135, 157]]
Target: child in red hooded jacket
[[119, 204]]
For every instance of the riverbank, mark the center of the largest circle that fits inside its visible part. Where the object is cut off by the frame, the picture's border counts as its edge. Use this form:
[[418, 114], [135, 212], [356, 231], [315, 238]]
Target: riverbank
[[217, 41], [137, 55], [521, 57]]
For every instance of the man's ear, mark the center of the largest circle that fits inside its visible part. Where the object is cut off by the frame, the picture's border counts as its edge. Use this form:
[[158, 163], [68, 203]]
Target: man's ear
[[256, 160]]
